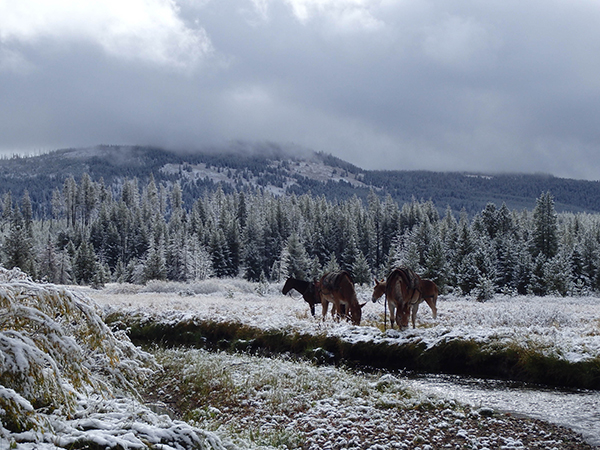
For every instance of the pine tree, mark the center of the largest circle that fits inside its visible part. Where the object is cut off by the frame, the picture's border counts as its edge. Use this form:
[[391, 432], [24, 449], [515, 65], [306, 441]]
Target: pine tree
[[49, 263], [295, 259], [7, 208], [332, 264], [198, 260], [64, 268], [435, 267], [545, 232], [219, 253], [537, 284], [557, 275], [253, 258], [85, 264], [154, 268], [69, 195], [86, 198], [18, 246], [361, 271]]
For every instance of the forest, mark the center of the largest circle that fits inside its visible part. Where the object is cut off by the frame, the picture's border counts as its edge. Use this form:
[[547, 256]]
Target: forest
[[142, 232], [254, 168]]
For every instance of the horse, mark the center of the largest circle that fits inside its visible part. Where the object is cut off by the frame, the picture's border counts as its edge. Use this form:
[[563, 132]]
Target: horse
[[306, 288], [429, 293], [338, 288], [402, 292]]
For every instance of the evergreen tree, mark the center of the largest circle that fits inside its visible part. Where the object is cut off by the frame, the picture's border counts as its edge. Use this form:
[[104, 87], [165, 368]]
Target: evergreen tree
[[361, 270], [154, 268], [332, 264], [86, 198], [7, 208], [219, 253], [537, 283], [69, 195], [557, 274], [85, 264], [64, 274], [295, 259], [176, 249], [253, 258], [468, 276], [18, 246], [545, 231], [435, 267], [49, 264], [198, 260]]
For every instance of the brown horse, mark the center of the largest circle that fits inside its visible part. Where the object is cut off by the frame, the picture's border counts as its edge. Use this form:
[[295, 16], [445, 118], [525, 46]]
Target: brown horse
[[429, 293], [401, 290], [306, 288], [338, 288]]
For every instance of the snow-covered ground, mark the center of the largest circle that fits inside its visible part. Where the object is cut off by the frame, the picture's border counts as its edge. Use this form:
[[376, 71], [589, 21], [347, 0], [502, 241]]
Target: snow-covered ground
[[87, 365], [568, 327]]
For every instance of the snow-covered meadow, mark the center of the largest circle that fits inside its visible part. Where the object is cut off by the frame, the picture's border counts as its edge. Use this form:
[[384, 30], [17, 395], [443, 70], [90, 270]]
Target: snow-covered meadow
[[93, 375], [566, 327]]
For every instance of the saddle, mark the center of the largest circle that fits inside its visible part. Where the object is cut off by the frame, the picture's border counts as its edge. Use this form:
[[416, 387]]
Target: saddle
[[412, 279], [332, 281]]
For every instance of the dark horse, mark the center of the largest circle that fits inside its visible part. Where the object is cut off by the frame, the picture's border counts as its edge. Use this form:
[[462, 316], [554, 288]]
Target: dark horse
[[402, 293], [338, 288], [306, 288]]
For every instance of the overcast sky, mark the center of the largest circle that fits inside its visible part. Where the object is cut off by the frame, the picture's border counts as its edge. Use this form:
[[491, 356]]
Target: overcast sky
[[477, 85]]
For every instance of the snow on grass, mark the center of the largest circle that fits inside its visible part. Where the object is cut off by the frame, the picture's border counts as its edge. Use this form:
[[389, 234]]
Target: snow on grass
[[564, 327], [68, 381], [266, 403]]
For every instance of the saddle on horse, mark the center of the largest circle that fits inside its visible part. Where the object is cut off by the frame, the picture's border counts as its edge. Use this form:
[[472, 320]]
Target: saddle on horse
[[332, 281], [411, 278]]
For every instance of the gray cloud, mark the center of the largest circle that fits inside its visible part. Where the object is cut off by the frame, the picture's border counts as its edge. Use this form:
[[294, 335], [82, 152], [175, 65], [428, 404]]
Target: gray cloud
[[482, 86]]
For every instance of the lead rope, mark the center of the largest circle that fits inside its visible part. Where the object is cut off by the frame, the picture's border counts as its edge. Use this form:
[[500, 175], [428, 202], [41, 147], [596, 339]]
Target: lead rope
[[385, 314]]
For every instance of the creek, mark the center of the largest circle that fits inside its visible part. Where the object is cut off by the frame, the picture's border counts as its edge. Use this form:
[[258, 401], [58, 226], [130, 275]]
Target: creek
[[577, 409]]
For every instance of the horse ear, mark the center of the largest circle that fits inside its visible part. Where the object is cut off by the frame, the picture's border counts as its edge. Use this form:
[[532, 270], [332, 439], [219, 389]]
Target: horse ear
[[363, 304]]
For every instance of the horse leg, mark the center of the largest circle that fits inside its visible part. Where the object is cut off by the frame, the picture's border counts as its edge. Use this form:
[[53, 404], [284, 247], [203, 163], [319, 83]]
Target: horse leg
[[338, 309], [431, 301], [392, 308], [415, 308], [325, 306]]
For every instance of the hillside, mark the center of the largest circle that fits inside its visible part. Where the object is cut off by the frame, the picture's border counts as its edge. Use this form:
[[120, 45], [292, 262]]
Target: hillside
[[284, 170]]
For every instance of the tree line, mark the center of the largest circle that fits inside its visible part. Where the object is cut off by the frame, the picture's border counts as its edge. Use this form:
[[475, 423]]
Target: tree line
[[136, 233]]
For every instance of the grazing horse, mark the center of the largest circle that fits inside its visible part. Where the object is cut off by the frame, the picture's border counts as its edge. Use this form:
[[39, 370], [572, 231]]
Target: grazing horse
[[401, 290], [429, 293], [306, 288], [338, 288]]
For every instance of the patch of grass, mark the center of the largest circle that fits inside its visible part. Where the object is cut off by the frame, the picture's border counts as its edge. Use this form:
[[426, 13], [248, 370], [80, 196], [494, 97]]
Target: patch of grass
[[256, 399]]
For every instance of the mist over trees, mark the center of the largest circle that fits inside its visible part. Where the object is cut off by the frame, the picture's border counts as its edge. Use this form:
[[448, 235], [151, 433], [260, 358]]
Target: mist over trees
[[139, 233]]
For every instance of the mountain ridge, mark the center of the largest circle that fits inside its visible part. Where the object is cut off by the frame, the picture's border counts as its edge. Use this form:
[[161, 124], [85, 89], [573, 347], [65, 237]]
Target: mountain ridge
[[284, 170]]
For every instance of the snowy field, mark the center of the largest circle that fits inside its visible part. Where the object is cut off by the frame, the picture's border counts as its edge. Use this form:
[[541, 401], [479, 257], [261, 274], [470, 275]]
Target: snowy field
[[55, 351], [568, 327]]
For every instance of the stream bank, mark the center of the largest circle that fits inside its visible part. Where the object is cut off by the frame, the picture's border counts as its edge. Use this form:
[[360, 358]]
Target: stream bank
[[451, 355]]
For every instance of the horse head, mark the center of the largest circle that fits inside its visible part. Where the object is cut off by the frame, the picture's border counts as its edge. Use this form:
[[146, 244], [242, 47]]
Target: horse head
[[356, 312], [378, 289], [288, 286], [402, 317]]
